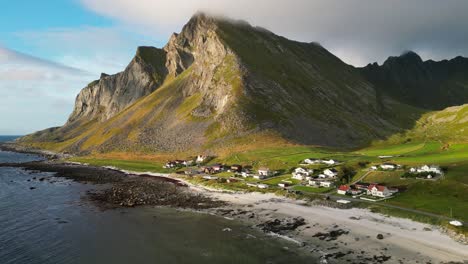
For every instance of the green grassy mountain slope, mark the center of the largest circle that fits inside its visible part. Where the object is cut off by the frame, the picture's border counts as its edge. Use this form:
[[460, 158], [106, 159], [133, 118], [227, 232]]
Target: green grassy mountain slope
[[426, 84], [225, 83], [448, 126]]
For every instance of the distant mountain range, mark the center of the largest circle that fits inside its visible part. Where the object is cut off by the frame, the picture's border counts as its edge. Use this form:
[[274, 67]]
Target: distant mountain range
[[222, 83]]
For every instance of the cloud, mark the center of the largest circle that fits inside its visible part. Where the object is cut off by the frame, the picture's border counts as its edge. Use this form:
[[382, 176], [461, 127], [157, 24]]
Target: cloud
[[97, 49], [359, 31], [35, 93]]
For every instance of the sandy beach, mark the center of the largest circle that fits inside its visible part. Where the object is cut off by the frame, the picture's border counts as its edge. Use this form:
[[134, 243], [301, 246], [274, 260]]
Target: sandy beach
[[404, 241]]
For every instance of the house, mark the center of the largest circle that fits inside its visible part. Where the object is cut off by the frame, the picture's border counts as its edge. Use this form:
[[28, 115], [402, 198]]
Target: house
[[319, 161], [265, 172], [187, 163], [314, 182], [354, 191], [201, 159], [326, 184], [329, 162], [236, 168], [429, 169], [361, 186], [330, 173], [343, 189], [374, 168], [388, 166], [378, 191], [284, 184], [312, 161], [246, 174], [262, 186], [170, 165], [298, 176], [217, 168], [301, 173]]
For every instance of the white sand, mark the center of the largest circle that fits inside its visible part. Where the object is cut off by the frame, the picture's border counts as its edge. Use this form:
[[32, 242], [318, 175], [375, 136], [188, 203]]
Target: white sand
[[404, 239]]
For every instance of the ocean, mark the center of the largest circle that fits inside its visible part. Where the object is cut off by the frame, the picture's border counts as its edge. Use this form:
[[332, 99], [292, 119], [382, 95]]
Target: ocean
[[51, 221], [8, 138]]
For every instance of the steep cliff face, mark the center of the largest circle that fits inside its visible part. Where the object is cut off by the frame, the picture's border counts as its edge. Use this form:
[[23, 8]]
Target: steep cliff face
[[219, 83], [427, 84], [104, 98]]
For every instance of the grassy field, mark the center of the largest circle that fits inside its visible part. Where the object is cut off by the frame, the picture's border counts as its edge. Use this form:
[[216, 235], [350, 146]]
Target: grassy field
[[443, 196]]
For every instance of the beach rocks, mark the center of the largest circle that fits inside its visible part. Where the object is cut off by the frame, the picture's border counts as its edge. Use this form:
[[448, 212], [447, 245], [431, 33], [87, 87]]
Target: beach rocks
[[143, 191], [281, 226], [332, 235]]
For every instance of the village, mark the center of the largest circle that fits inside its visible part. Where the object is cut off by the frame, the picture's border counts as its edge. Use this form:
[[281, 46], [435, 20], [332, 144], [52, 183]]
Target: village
[[318, 176]]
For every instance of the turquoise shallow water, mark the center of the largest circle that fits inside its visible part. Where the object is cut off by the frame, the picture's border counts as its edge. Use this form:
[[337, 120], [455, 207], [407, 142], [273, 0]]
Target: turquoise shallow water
[[54, 223]]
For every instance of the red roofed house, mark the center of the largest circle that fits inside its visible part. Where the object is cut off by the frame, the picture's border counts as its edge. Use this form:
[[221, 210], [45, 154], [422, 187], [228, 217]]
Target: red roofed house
[[343, 189], [378, 191]]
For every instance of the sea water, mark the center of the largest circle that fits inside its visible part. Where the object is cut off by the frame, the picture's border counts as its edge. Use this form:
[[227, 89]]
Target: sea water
[[51, 221]]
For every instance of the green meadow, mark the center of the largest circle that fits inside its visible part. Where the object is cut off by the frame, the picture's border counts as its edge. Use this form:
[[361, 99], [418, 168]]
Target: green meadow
[[447, 196]]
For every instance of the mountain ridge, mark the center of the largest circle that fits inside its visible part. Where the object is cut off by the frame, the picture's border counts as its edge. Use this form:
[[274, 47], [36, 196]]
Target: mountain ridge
[[429, 84], [223, 83]]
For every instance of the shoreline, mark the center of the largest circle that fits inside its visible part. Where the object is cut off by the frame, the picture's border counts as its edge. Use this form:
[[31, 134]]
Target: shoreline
[[333, 234], [404, 240]]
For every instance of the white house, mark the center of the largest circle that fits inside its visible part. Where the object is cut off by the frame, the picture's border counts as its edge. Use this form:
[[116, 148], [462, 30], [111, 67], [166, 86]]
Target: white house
[[343, 189], [201, 158], [329, 162], [298, 176], [262, 186], [312, 161], [264, 172], [314, 183], [378, 191], [319, 161], [187, 163], [373, 168], [284, 184], [426, 168], [326, 184], [245, 174], [259, 177], [331, 173], [388, 166], [301, 173]]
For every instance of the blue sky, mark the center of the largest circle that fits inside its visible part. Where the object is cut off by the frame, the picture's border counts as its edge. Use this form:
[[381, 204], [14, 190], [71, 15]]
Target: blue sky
[[50, 49]]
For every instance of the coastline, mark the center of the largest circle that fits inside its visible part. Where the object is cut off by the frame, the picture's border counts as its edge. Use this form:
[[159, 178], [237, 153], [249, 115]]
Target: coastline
[[334, 234], [404, 240]]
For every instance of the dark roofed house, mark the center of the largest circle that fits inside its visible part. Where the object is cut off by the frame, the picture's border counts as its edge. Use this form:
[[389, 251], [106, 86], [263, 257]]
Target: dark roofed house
[[236, 168]]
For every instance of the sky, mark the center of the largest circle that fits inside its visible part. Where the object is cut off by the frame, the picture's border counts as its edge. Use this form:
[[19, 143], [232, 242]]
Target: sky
[[51, 49]]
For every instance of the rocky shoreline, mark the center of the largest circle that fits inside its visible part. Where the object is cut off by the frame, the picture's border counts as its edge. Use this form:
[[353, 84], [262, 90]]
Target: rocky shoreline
[[124, 190]]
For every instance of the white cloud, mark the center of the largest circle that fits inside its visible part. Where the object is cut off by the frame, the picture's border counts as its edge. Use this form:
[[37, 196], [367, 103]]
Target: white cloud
[[359, 30], [35, 93], [96, 49]]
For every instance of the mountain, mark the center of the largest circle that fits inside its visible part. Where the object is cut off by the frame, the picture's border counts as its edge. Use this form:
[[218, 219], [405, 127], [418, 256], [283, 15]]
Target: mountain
[[447, 125], [222, 83], [426, 84]]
